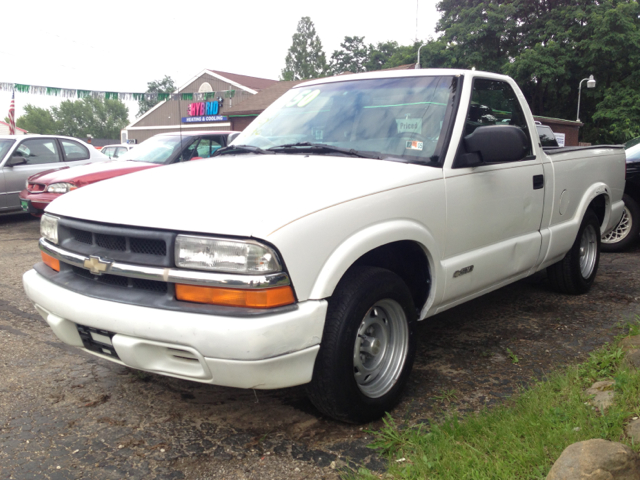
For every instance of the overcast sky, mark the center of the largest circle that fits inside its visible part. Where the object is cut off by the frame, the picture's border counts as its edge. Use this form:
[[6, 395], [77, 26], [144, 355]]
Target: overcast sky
[[121, 45]]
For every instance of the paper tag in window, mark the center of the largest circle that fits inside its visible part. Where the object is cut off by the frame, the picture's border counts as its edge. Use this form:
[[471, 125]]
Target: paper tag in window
[[415, 145], [409, 125]]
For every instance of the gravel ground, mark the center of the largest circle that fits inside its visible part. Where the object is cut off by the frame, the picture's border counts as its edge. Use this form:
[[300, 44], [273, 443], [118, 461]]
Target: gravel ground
[[65, 414]]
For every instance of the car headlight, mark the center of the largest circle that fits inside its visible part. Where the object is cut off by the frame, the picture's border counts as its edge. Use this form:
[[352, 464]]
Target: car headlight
[[202, 253], [61, 187], [49, 228]]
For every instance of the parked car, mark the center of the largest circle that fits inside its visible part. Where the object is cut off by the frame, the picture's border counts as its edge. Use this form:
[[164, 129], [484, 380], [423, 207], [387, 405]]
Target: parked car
[[163, 149], [115, 151], [627, 232], [24, 155], [547, 137], [307, 250]]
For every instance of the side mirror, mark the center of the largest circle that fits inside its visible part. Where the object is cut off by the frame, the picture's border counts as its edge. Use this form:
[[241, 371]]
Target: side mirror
[[16, 160], [493, 144]]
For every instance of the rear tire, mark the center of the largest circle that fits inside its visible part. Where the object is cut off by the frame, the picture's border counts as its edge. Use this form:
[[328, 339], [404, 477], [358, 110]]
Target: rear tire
[[368, 346], [575, 273], [627, 231]]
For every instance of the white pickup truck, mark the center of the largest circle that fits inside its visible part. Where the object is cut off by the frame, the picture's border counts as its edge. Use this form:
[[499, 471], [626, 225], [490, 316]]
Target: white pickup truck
[[306, 251]]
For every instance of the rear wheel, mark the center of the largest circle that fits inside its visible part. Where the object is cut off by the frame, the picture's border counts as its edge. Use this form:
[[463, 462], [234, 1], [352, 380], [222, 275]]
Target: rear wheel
[[627, 230], [368, 346], [575, 273]]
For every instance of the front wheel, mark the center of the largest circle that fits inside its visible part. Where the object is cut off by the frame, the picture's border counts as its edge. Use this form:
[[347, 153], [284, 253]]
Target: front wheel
[[368, 346], [575, 273], [627, 230]]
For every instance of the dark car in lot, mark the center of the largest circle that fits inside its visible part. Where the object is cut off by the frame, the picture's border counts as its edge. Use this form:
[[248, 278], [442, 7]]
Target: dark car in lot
[[162, 149], [628, 230]]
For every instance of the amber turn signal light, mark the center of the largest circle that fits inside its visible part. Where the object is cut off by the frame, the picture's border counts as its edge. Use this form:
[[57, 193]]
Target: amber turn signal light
[[50, 261], [232, 297]]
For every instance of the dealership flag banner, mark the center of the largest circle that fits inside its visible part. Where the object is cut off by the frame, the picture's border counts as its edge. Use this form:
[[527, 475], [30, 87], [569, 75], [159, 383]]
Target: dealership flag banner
[[12, 115], [75, 93]]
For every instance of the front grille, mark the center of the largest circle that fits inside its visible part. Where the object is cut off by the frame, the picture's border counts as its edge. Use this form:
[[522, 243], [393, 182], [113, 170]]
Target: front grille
[[36, 188], [122, 282], [82, 236], [111, 242], [148, 246]]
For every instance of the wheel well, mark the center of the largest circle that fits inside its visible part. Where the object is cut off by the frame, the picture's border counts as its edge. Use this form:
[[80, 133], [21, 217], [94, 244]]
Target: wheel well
[[598, 205], [406, 259]]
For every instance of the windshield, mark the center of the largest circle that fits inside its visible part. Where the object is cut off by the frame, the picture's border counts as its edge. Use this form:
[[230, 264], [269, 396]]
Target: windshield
[[392, 117], [5, 145], [159, 149], [633, 153]]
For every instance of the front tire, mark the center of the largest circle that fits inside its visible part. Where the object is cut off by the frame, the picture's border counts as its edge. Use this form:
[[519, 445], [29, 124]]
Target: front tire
[[627, 230], [368, 346], [576, 272]]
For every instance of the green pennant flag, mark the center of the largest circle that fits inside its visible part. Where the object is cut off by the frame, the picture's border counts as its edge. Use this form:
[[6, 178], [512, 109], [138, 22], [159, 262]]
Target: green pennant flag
[[138, 96], [111, 95], [232, 93], [210, 96], [187, 96], [53, 91], [22, 88], [163, 96], [83, 93]]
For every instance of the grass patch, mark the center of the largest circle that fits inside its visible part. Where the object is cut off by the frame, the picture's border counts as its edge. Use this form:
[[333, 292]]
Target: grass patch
[[522, 438]]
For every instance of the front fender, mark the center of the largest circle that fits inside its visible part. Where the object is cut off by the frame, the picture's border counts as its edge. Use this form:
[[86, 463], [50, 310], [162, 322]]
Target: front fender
[[369, 238]]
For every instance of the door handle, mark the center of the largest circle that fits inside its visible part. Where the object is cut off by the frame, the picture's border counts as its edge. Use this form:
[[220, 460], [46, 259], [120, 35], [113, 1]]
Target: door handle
[[538, 182]]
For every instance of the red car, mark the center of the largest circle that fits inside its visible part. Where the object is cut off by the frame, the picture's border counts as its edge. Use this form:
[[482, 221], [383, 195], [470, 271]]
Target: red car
[[163, 149]]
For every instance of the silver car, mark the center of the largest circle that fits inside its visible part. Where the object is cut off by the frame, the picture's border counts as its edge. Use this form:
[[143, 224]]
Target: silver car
[[24, 155]]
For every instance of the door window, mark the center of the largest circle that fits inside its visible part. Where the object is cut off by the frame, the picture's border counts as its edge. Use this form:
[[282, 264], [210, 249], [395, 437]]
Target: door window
[[120, 151], [494, 102], [207, 147], [38, 151], [109, 151], [74, 151]]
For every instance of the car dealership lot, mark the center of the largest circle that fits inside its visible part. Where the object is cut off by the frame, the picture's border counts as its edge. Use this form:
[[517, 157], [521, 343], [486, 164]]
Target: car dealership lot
[[67, 414]]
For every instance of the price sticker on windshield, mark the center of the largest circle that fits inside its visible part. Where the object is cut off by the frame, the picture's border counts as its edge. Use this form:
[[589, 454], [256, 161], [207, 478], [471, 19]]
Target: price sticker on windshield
[[409, 125]]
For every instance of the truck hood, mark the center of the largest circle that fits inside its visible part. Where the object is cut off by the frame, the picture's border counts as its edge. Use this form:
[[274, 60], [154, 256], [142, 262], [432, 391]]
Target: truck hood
[[240, 195], [82, 175]]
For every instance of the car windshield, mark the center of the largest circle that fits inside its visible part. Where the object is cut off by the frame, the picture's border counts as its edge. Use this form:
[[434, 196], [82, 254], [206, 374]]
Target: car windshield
[[5, 145], [394, 118], [633, 153], [159, 149]]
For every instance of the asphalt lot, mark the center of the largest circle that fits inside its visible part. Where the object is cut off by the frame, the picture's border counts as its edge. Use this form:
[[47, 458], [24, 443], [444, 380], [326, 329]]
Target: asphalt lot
[[66, 414]]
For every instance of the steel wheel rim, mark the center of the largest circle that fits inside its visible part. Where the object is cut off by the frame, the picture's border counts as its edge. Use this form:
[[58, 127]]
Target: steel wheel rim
[[381, 348], [588, 251], [622, 229]]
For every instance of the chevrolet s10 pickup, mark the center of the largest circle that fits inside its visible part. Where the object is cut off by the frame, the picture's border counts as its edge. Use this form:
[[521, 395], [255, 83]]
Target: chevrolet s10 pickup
[[307, 250]]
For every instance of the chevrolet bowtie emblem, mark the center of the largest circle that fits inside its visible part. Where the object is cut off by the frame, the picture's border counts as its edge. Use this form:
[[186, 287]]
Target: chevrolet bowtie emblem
[[97, 265]]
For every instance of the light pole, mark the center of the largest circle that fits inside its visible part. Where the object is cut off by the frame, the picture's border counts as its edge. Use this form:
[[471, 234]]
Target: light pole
[[418, 64], [591, 83]]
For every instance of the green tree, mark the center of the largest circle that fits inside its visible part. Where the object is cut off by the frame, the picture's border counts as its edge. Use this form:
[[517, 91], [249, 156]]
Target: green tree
[[351, 57], [91, 116], [305, 58], [37, 120], [166, 85], [379, 56]]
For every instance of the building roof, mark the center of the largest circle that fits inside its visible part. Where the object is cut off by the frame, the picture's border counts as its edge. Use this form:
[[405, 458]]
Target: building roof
[[262, 99], [254, 83], [17, 128]]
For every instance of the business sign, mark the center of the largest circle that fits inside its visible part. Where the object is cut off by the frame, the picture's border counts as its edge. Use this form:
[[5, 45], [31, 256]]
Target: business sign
[[560, 137], [205, 118]]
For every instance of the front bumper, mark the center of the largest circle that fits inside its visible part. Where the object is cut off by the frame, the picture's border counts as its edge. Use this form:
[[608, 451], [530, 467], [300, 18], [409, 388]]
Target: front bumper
[[265, 352], [38, 201]]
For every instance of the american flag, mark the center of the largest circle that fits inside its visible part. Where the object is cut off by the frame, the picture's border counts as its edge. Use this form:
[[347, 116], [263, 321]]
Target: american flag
[[12, 115]]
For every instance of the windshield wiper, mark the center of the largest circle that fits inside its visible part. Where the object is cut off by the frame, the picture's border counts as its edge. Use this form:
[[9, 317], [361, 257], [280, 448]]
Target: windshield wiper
[[240, 149], [320, 148]]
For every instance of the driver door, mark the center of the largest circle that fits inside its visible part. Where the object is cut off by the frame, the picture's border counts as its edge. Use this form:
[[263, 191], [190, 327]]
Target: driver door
[[494, 211]]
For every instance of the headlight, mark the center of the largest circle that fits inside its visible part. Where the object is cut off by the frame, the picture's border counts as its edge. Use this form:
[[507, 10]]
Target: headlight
[[49, 228], [202, 253], [61, 187]]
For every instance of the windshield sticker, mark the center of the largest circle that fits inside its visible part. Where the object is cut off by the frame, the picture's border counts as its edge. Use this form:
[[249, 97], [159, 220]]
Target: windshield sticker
[[410, 125], [297, 98], [414, 145], [318, 134], [308, 98]]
